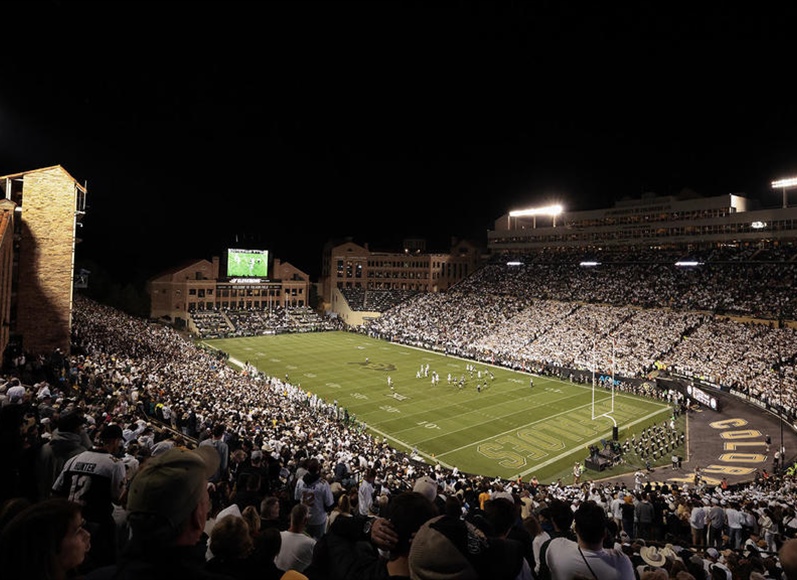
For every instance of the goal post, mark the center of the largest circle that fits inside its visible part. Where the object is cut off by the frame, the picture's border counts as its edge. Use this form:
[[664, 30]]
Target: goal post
[[607, 414]]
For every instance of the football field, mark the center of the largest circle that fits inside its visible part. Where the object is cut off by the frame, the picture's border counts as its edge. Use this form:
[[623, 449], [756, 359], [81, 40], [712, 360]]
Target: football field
[[477, 417]]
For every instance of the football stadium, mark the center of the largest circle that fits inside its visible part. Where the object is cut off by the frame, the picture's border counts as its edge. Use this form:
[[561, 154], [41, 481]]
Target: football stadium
[[652, 382], [653, 369], [397, 291]]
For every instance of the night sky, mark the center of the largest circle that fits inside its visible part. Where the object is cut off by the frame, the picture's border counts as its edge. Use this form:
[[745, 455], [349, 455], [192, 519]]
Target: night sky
[[269, 125]]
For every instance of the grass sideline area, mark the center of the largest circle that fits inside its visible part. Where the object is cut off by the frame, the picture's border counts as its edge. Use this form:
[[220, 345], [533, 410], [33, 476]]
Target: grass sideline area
[[488, 420]]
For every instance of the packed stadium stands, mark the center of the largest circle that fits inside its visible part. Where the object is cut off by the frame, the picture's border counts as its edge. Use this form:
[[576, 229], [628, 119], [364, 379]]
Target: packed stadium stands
[[726, 321]]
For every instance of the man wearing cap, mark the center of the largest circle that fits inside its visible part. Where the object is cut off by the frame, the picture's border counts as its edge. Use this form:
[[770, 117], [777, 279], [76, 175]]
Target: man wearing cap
[[714, 565], [447, 546], [45, 406], [428, 487], [313, 490], [68, 439], [96, 480], [167, 509], [255, 466]]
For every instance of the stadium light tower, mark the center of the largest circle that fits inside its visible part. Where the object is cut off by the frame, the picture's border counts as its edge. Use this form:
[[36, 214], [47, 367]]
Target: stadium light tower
[[550, 210], [784, 184]]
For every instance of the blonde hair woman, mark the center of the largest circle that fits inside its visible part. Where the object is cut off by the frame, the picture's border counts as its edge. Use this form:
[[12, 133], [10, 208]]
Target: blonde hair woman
[[342, 508]]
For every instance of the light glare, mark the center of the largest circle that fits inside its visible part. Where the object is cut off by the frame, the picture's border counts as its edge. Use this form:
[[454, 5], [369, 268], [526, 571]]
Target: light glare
[[551, 210], [784, 183]]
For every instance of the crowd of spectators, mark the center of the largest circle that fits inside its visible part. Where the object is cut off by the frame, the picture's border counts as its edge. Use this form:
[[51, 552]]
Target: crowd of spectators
[[633, 317], [150, 390], [379, 300], [230, 323]]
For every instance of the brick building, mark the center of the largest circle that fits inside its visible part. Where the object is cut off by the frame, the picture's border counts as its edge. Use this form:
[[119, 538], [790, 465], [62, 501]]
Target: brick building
[[37, 272], [7, 213], [199, 285], [346, 264]]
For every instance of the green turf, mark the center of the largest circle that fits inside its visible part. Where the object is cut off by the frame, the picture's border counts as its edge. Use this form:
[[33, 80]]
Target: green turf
[[507, 429]]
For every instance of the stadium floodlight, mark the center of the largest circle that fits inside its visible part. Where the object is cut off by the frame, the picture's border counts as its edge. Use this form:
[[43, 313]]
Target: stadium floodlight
[[548, 210], [552, 210], [784, 184], [688, 263]]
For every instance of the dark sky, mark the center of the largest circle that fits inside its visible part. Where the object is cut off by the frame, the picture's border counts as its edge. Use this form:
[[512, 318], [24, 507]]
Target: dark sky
[[287, 124]]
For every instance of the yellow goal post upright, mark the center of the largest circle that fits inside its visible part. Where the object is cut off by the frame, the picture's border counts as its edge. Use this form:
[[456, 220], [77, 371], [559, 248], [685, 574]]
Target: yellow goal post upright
[[607, 414]]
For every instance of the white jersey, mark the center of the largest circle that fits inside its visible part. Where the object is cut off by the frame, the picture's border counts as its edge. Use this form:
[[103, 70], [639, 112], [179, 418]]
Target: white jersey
[[567, 561], [95, 479], [318, 498]]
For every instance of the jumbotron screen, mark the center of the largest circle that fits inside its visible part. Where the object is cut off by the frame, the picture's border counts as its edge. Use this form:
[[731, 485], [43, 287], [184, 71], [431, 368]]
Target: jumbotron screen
[[247, 263]]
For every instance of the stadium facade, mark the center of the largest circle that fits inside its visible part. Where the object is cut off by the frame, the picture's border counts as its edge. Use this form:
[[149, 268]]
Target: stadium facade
[[347, 265], [197, 286], [686, 222]]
